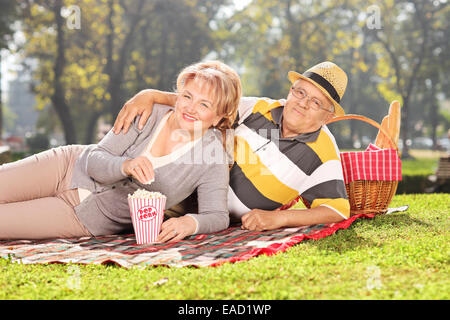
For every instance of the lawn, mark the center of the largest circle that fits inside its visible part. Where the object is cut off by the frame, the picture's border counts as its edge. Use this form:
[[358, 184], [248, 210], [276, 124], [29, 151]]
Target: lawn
[[424, 162], [404, 255]]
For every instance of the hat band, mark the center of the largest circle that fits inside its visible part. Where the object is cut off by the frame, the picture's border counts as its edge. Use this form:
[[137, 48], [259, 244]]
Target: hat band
[[324, 83]]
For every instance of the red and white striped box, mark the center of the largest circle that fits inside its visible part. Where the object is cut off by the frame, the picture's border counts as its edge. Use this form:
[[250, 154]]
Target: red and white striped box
[[147, 215]]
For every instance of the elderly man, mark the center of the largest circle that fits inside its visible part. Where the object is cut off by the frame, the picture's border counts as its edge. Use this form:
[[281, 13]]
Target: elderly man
[[283, 149]]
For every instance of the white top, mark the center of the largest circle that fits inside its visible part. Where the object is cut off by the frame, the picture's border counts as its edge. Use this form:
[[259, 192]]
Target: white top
[[168, 158]]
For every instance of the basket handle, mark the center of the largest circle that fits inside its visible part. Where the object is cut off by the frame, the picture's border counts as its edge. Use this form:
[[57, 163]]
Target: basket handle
[[369, 121]]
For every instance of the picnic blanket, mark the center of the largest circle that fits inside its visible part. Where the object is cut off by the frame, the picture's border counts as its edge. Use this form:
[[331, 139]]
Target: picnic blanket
[[230, 245]]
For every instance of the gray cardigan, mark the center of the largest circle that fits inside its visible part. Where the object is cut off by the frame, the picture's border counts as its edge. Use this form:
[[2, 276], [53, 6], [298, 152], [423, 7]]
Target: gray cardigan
[[98, 169]]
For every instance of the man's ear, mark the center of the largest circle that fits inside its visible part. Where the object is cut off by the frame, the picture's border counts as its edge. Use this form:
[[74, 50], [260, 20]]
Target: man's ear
[[290, 91], [329, 116]]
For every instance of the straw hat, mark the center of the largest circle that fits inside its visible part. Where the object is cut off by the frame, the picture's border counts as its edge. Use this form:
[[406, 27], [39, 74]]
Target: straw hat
[[328, 78]]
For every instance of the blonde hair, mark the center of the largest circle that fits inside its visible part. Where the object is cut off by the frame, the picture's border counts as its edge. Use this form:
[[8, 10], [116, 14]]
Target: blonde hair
[[226, 86]]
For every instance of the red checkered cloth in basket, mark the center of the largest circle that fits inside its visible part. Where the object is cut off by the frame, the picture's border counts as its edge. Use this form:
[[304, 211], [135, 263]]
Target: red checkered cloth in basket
[[372, 164]]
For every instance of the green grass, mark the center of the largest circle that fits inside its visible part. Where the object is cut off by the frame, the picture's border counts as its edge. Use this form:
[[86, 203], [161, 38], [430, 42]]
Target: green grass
[[399, 256], [424, 162], [419, 167]]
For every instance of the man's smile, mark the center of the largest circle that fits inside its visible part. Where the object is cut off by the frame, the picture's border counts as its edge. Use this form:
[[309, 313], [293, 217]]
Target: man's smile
[[298, 111]]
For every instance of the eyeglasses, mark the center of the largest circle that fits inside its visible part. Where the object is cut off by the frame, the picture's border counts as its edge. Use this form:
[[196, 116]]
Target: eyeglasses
[[313, 103]]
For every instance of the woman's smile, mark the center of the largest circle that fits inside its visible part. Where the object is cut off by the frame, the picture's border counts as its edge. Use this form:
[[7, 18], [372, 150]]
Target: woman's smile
[[188, 117]]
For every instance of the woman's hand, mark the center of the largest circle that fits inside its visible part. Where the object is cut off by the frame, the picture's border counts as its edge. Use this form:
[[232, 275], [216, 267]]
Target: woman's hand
[[139, 168], [176, 229]]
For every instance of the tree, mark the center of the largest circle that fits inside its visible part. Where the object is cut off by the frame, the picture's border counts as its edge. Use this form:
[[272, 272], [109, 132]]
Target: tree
[[406, 41], [384, 62], [159, 39], [433, 80], [58, 97], [122, 46], [8, 15], [46, 16], [295, 35]]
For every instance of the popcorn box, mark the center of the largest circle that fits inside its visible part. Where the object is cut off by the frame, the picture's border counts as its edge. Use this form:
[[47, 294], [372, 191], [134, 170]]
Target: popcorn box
[[147, 213]]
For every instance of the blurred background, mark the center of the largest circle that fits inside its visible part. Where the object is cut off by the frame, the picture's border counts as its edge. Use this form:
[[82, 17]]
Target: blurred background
[[67, 67]]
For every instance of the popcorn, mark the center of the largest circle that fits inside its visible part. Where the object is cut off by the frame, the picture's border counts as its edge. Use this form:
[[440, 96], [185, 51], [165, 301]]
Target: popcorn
[[145, 194]]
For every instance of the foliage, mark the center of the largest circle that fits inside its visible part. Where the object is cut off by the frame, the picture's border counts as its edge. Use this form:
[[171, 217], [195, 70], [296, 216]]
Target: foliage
[[124, 46], [120, 48], [413, 41], [384, 62]]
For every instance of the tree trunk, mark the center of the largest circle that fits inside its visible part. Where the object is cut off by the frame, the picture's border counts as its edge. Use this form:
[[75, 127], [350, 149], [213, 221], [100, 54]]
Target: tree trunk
[[90, 130], [109, 70], [162, 11], [404, 128], [1, 104], [58, 97], [117, 74], [294, 34], [434, 113], [351, 92]]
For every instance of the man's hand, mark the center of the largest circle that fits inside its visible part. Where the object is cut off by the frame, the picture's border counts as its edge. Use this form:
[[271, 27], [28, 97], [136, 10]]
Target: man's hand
[[260, 220], [176, 229], [140, 104]]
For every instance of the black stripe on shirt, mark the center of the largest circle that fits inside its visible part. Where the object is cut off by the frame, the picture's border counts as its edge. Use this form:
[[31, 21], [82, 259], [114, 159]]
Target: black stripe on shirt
[[247, 193], [257, 121], [301, 155], [332, 189]]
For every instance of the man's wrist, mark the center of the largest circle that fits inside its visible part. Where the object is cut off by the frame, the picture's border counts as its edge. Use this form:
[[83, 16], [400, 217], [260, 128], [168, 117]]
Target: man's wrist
[[285, 217], [160, 97], [290, 218]]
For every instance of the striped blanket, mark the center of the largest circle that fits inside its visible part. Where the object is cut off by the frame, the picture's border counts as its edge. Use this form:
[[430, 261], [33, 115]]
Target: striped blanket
[[230, 245]]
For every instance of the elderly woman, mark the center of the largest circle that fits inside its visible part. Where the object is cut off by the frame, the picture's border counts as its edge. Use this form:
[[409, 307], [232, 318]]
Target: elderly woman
[[75, 191]]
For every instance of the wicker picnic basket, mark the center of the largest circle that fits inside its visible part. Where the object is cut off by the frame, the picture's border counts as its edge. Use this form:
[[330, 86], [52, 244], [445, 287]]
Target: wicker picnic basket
[[369, 196]]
